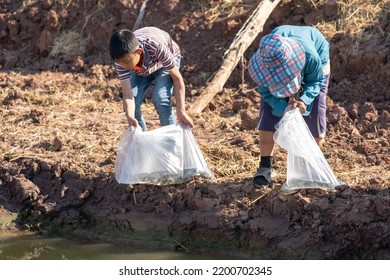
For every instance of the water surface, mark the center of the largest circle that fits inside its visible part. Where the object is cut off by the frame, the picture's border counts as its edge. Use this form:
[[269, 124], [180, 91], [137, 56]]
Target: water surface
[[28, 246]]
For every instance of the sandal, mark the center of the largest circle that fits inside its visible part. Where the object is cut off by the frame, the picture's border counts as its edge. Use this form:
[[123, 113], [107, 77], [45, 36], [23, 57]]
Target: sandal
[[263, 177]]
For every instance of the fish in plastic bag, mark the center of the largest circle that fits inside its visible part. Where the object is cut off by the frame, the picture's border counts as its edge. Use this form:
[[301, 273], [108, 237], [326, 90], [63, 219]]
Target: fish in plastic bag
[[164, 156], [306, 164]]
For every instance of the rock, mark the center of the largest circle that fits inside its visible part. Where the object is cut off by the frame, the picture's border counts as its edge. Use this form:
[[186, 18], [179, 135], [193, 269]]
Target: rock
[[52, 21], [170, 5], [241, 104], [10, 60], [23, 190], [249, 118], [44, 42], [47, 4], [331, 8]]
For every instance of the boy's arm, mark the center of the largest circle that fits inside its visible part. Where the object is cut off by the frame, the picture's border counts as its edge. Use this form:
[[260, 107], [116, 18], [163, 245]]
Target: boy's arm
[[179, 92], [128, 103]]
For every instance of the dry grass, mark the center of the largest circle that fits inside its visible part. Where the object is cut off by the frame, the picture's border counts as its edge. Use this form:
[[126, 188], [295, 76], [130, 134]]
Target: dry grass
[[69, 43], [227, 161], [71, 124], [63, 3], [28, 2], [219, 9], [361, 19]]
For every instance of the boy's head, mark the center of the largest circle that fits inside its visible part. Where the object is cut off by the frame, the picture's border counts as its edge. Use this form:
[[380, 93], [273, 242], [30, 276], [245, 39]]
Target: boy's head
[[125, 48], [277, 65]]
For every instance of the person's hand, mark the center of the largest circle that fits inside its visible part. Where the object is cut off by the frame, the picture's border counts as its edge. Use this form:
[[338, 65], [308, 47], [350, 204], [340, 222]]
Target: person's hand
[[132, 121], [183, 118], [297, 103]]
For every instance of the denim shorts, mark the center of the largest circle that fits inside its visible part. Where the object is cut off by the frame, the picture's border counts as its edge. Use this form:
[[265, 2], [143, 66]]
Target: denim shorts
[[316, 120]]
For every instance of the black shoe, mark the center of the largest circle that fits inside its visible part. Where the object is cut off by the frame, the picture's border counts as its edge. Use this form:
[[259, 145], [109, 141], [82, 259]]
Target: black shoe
[[263, 177]]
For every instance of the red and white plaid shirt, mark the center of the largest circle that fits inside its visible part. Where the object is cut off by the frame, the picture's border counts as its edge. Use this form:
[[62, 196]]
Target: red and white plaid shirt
[[159, 51]]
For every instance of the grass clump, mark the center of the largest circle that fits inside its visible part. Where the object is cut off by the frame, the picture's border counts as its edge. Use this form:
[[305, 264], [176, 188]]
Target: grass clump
[[361, 19], [69, 43]]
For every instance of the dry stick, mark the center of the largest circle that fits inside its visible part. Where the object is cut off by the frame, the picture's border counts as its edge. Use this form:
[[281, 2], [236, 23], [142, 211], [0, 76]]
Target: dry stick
[[257, 199], [134, 198], [140, 16], [247, 34], [181, 245]]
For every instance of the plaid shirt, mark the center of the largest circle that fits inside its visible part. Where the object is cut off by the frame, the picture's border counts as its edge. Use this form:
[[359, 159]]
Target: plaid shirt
[[159, 51]]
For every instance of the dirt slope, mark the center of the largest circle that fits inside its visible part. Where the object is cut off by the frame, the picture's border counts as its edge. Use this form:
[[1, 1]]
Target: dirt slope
[[61, 120]]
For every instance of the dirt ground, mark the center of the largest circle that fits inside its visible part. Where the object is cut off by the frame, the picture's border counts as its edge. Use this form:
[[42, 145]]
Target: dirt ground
[[61, 121]]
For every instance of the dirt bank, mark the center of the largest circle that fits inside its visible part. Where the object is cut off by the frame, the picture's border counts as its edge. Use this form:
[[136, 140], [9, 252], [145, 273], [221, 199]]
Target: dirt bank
[[61, 120]]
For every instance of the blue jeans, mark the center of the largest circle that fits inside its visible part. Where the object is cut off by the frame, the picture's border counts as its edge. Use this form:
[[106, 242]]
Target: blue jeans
[[161, 95]]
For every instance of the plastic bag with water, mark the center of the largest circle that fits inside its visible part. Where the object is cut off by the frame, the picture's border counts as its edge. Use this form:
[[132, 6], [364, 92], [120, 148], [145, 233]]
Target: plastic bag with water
[[163, 156], [306, 164]]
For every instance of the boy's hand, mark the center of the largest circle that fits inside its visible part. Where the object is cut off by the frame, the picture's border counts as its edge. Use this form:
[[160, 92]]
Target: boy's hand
[[132, 121], [297, 103], [183, 118]]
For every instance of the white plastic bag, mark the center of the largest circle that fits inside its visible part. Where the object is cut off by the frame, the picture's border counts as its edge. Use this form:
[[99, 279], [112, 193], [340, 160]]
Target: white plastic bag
[[164, 156], [306, 164]]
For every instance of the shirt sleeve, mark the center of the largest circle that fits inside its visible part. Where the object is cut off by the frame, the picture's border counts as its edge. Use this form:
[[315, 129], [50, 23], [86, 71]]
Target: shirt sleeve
[[122, 73], [313, 79], [278, 105]]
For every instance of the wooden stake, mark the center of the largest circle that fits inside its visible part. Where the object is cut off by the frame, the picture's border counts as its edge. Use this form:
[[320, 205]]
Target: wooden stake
[[244, 38]]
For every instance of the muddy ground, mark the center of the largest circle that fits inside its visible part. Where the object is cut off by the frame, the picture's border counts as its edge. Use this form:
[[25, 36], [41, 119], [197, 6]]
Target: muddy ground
[[61, 121]]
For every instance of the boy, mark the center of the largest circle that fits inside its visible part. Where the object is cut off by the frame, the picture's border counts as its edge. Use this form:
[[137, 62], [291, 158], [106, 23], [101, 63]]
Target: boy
[[290, 67], [144, 56]]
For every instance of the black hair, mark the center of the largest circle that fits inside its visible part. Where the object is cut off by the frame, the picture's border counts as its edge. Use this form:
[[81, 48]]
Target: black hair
[[122, 42]]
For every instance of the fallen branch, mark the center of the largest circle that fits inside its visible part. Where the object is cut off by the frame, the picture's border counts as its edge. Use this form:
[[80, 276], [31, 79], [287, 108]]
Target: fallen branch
[[244, 38]]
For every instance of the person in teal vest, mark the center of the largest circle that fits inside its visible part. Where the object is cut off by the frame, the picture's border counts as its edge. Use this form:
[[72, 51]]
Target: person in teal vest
[[290, 67]]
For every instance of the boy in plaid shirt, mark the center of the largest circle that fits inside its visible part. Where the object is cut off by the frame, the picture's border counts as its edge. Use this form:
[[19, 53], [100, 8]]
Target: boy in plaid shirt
[[145, 56], [290, 67]]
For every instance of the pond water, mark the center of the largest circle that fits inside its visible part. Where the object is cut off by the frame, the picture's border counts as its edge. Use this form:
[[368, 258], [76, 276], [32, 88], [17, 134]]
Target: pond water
[[28, 246]]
